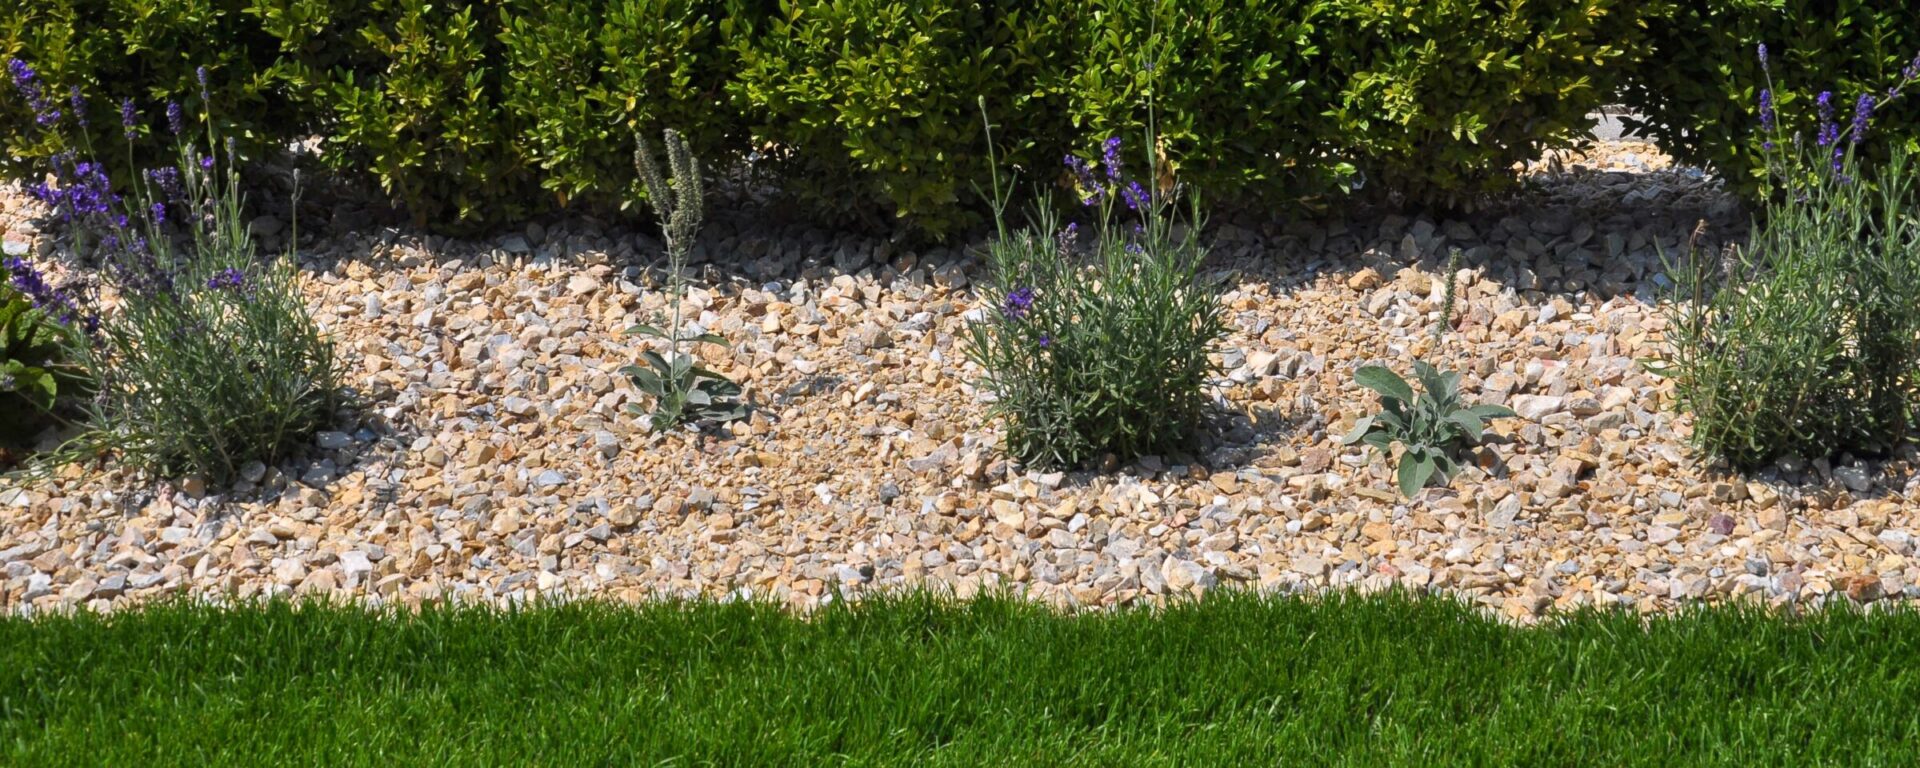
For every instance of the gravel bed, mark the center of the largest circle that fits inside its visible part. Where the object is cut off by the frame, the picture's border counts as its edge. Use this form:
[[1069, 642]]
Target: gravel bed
[[489, 457]]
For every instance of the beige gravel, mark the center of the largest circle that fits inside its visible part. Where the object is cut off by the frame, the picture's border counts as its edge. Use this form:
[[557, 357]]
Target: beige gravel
[[491, 458]]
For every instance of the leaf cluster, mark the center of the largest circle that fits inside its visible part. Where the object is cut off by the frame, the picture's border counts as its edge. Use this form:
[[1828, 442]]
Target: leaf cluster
[[1432, 426]]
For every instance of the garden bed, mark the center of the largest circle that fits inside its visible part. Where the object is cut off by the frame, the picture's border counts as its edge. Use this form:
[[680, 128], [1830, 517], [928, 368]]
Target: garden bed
[[489, 456]]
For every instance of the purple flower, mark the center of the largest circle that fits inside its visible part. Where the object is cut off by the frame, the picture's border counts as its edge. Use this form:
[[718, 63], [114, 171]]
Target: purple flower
[[176, 119], [57, 303], [1110, 157], [1136, 196], [206, 163], [27, 82], [1090, 186], [1829, 132], [1045, 341], [1912, 71], [200, 74], [83, 188], [1766, 109], [1862, 113], [79, 102], [167, 179], [1017, 303], [129, 119], [1068, 236], [229, 279], [159, 213], [1763, 56]]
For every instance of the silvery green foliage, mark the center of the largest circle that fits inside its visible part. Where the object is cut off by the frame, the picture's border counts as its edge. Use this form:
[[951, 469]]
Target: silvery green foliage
[[1097, 341], [681, 388], [1807, 339], [1433, 425], [208, 358]]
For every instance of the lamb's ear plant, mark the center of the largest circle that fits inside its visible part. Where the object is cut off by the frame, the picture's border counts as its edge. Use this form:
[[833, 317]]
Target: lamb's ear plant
[[1432, 425], [683, 391]]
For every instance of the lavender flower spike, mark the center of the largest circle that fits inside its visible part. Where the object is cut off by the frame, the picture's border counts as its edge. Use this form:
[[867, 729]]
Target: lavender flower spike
[[1862, 113], [1829, 132], [1110, 157], [1017, 303], [129, 119]]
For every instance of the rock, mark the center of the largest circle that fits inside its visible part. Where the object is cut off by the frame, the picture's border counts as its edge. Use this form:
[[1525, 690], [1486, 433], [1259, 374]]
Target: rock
[[332, 441], [1364, 280], [1863, 589], [1537, 407], [515, 244], [1855, 479], [549, 479], [1187, 576], [1721, 524], [264, 226], [1505, 512], [353, 562]]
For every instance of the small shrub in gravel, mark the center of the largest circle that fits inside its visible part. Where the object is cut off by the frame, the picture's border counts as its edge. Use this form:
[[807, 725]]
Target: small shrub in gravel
[[206, 358], [1432, 427], [682, 389], [1807, 340], [1097, 339]]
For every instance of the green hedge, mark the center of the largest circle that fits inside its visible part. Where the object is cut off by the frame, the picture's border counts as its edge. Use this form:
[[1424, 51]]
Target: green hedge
[[148, 51], [1700, 91], [476, 112]]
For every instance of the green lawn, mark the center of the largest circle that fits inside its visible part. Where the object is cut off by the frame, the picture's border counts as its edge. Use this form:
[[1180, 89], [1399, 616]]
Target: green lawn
[[1235, 680]]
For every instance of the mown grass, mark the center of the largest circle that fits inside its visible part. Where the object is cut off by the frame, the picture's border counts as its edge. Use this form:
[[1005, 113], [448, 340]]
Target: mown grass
[[1234, 680]]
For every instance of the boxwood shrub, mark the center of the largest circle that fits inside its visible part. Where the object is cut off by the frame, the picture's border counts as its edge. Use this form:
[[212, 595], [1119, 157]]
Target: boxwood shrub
[[148, 51], [479, 112], [1699, 92]]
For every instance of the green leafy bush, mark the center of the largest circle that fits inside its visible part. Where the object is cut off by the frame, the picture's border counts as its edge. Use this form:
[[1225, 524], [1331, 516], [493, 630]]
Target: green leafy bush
[[1244, 90], [1441, 98], [148, 51], [1698, 88], [1807, 340], [34, 372], [478, 112], [870, 101], [1103, 346], [582, 75], [1433, 427], [417, 105], [208, 358]]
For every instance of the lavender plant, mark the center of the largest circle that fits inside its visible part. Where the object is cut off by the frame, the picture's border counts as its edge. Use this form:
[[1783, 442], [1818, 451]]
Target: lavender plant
[[200, 349], [1099, 340], [1807, 339]]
